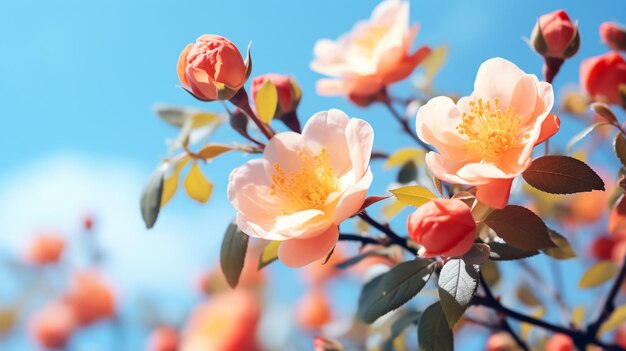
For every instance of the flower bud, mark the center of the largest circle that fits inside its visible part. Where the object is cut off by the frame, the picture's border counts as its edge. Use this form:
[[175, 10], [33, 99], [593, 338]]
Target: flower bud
[[560, 342], [555, 36], [313, 309], [53, 326], [501, 341], [212, 68], [444, 227], [602, 247], [613, 35], [91, 297], [45, 249], [163, 339], [603, 77], [289, 92]]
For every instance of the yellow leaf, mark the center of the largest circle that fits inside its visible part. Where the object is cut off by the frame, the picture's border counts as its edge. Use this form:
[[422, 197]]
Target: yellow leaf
[[617, 317], [8, 315], [578, 316], [266, 102], [197, 186], [402, 156], [170, 183], [575, 103], [433, 63], [526, 328], [392, 208], [598, 274], [269, 254], [213, 150], [413, 195], [202, 119], [361, 226]]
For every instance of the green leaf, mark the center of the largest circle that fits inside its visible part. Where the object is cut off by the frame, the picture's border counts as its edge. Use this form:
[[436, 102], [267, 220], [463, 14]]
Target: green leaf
[[407, 173], [151, 197], [393, 289], [520, 227], [458, 282], [505, 252], [562, 175], [433, 333], [233, 253], [598, 274], [266, 102], [413, 195], [269, 254], [619, 146], [563, 249]]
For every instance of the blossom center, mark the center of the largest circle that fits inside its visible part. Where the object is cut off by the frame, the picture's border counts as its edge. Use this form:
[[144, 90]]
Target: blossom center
[[308, 188], [490, 130], [368, 40]]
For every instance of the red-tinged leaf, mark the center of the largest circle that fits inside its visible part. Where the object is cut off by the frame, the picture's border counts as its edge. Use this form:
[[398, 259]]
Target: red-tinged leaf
[[562, 175], [603, 110], [370, 200], [520, 227]]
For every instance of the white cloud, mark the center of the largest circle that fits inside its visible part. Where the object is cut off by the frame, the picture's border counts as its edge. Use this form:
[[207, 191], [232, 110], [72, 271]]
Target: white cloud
[[55, 192]]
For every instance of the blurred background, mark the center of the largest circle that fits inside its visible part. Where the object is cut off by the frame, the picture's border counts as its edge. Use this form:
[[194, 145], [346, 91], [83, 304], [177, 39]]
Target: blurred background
[[78, 83]]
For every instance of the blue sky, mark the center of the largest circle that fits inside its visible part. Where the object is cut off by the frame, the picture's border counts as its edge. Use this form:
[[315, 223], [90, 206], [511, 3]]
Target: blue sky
[[78, 80]]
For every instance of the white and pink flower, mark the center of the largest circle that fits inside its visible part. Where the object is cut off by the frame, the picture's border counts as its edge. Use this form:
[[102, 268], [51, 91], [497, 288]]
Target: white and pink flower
[[374, 54], [486, 139], [305, 186]]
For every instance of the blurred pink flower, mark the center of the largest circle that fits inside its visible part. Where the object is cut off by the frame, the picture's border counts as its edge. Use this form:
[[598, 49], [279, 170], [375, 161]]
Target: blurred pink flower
[[602, 76], [45, 249], [305, 186], [227, 322], [91, 297], [613, 35], [486, 139], [53, 325], [375, 53]]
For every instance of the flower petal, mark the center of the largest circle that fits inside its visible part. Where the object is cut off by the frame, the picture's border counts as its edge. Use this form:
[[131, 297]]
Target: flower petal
[[495, 194], [304, 224], [300, 252], [360, 138], [497, 78], [283, 150], [352, 199], [436, 124], [328, 129]]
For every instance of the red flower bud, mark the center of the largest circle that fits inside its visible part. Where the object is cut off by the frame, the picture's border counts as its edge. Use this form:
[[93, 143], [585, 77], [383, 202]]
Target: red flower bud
[[289, 92], [444, 227], [555, 36], [560, 342], [53, 326], [212, 68], [613, 35], [163, 339], [45, 249], [602, 76]]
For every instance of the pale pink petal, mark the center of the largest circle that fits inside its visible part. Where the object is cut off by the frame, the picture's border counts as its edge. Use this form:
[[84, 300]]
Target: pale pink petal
[[436, 124], [352, 199], [477, 173], [328, 129], [513, 162], [304, 224], [248, 189], [360, 138], [283, 150], [331, 87], [524, 98], [497, 79], [445, 169], [300, 252], [495, 194], [256, 231]]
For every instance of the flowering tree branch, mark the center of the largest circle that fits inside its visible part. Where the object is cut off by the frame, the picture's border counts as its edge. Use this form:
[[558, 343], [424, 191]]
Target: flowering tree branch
[[385, 229]]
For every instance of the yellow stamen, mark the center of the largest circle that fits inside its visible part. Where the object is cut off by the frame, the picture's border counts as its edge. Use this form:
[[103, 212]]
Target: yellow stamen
[[367, 41], [307, 189], [490, 130]]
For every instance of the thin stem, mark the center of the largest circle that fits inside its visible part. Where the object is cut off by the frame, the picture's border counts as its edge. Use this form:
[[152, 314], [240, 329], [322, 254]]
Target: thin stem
[[609, 304], [503, 321], [405, 124], [241, 100], [359, 238], [385, 229]]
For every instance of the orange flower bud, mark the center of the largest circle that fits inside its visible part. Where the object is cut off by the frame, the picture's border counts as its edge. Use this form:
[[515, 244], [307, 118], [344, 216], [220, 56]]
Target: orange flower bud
[[314, 309], [444, 227], [45, 249], [53, 326], [212, 68], [501, 342], [560, 342], [91, 298]]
